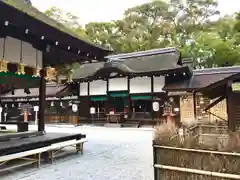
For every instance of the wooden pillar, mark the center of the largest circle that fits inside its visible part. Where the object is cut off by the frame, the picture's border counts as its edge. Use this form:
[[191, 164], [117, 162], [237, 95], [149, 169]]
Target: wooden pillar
[[194, 105], [230, 109], [42, 101], [152, 93], [107, 104], [129, 99], [88, 99], [79, 101]]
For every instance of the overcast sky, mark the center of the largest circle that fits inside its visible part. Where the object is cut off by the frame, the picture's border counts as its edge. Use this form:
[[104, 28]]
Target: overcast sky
[[106, 10]]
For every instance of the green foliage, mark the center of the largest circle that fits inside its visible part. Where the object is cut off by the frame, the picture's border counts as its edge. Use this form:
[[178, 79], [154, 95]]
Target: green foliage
[[158, 24], [71, 22]]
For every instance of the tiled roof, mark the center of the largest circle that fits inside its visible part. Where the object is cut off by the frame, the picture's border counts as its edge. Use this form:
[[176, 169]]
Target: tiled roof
[[27, 8], [137, 62], [202, 78]]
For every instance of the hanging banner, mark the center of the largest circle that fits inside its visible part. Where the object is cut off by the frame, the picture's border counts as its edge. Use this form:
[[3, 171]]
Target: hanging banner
[[155, 106]]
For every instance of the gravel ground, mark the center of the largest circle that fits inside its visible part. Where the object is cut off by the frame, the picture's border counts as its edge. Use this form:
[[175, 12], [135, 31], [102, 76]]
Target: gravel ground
[[109, 154]]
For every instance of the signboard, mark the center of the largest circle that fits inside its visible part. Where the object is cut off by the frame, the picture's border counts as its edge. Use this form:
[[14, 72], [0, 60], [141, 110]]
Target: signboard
[[236, 86], [36, 108], [155, 106], [92, 110], [74, 108]]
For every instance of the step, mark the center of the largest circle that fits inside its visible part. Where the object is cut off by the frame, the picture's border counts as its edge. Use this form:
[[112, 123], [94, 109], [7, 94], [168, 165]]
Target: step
[[99, 123], [131, 124], [113, 125]]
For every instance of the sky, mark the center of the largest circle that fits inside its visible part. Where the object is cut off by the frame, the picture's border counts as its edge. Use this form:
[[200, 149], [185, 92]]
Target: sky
[[107, 10]]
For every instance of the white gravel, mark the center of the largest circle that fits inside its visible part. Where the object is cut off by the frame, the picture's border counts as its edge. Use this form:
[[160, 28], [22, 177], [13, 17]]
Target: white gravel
[[109, 154]]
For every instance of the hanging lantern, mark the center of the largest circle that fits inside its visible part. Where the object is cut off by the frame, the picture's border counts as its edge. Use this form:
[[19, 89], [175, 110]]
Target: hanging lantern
[[52, 104], [61, 104], [20, 69], [3, 63], [36, 71], [70, 77], [51, 74], [20, 65]]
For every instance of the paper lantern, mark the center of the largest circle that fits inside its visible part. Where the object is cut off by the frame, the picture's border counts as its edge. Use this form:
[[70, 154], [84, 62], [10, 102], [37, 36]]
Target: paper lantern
[[155, 106]]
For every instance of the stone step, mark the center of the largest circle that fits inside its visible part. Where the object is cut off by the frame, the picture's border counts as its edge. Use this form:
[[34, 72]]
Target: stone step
[[131, 124], [113, 125]]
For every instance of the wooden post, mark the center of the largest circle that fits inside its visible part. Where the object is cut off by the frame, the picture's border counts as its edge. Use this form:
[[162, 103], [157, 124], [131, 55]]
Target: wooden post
[[152, 91], [42, 99], [194, 105], [230, 109], [79, 101], [129, 114], [155, 174], [107, 105], [88, 100]]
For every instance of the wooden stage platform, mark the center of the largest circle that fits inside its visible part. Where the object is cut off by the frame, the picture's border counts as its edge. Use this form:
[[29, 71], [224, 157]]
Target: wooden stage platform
[[19, 142]]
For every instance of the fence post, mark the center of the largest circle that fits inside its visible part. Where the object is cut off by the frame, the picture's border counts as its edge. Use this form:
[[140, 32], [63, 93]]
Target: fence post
[[154, 161]]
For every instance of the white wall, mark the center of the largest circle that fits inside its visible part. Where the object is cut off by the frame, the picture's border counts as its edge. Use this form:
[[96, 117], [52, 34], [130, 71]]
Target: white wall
[[13, 49], [98, 87], [118, 84], [140, 85], [159, 82], [84, 89]]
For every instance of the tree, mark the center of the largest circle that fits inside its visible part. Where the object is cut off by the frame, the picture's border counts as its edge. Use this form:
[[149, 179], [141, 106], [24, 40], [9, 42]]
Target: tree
[[186, 26], [71, 22]]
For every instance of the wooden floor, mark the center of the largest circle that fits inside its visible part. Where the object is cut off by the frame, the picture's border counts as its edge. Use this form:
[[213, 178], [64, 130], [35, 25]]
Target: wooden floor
[[19, 144]]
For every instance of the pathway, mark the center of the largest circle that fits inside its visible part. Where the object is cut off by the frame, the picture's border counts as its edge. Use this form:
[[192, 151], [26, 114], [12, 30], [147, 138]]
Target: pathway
[[110, 154]]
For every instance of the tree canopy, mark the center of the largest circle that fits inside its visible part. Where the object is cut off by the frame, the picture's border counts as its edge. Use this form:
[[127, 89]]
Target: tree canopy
[[194, 27]]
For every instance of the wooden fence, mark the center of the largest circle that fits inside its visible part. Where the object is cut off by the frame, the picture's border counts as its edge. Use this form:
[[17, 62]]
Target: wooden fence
[[172, 163]]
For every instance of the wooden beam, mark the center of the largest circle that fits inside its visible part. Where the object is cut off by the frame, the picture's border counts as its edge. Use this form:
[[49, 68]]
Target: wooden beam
[[214, 103]]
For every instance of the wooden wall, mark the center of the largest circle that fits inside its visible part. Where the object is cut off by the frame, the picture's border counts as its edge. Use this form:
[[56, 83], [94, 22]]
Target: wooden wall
[[234, 107], [187, 109]]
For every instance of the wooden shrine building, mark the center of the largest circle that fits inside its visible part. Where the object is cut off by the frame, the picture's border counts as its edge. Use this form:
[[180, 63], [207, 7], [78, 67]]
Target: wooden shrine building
[[229, 89], [137, 80], [124, 88], [207, 96], [31, 45], [58, 109]]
